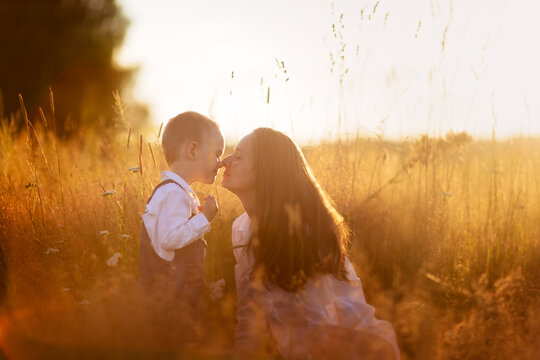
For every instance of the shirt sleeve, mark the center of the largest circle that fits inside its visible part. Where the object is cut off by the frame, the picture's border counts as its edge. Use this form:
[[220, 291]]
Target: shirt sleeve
[[252, 335], [175, 229], [248, 316]]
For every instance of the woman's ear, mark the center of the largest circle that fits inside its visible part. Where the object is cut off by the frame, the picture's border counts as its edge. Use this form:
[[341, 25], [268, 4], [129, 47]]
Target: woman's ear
[[191, 149]]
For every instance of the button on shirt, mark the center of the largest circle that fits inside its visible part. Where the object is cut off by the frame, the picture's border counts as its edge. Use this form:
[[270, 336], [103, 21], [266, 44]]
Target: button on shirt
[[172, 218]]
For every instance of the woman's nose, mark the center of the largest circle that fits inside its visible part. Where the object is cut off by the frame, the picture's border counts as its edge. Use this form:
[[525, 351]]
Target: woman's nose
[[226, 161]]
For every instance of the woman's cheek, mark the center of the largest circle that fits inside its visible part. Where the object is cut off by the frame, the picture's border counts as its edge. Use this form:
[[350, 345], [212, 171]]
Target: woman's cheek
[[249, 179]]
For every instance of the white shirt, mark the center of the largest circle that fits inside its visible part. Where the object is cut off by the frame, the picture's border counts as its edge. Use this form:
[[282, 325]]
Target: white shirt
[[289, 315], [168, 220]]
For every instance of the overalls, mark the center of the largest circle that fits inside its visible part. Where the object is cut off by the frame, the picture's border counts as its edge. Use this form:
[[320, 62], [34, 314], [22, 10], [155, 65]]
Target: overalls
[[183, 278]]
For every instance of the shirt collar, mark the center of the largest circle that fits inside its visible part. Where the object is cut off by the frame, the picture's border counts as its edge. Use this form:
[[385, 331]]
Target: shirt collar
[[169, 175]]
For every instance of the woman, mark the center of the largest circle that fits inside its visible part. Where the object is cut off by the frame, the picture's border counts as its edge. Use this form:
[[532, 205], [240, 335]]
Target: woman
[[296, 288]]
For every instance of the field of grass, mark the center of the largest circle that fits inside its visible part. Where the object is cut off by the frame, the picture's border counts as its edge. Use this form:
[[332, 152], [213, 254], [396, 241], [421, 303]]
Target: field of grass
[[446, 240]]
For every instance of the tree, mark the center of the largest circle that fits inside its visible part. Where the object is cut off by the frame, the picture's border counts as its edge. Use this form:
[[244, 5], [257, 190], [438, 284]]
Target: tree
[[67, 45]]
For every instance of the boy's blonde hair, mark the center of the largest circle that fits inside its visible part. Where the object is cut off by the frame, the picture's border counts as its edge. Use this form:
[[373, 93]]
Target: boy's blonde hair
[[187, 126]]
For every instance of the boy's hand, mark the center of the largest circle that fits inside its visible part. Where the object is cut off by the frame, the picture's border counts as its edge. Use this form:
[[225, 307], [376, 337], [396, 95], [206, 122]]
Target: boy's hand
[[210, 208]]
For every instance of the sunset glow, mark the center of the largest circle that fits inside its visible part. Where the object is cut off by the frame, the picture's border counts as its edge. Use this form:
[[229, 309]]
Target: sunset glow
[[256, 179], [408, 67]]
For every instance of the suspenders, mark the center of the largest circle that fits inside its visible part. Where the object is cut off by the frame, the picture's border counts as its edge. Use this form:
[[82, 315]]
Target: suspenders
[[168, 181], [172, 278]]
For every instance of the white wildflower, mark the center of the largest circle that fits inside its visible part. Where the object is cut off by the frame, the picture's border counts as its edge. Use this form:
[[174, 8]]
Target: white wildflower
[[125, 236], [104, 233], [84, 302], [216, 289], [113, 260], [51, 251], [109, 193]]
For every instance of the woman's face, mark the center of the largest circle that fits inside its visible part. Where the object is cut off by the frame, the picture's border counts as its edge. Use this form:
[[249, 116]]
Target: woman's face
[[239, 174]]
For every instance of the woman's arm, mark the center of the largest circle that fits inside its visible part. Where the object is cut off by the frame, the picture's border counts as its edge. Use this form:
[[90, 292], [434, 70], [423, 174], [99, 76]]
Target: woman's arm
[[252, 335]]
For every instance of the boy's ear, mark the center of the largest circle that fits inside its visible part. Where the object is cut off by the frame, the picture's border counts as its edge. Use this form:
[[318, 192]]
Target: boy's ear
[[191, 149]]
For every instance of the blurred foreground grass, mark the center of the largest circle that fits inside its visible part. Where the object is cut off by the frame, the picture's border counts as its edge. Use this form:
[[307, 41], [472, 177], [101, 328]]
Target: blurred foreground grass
[[446, 242]]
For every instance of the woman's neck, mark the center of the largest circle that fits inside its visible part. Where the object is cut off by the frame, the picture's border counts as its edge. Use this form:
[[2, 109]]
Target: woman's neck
[[248, 202]]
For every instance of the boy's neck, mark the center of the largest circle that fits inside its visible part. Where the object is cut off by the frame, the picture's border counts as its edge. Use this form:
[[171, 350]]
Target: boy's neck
[[184, 171]]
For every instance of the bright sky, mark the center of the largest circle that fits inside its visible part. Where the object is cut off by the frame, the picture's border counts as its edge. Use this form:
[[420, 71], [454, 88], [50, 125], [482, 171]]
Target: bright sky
[[398, 78]]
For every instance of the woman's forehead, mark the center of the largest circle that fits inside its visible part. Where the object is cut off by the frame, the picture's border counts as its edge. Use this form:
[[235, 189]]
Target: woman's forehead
[[244, 144]]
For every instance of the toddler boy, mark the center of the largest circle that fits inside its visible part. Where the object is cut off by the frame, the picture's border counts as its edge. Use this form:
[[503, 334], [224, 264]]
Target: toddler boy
[[172, 249]]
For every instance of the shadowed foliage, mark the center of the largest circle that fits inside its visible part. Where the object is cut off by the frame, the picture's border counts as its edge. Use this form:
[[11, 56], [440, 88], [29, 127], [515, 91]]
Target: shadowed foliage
[[65, 44]]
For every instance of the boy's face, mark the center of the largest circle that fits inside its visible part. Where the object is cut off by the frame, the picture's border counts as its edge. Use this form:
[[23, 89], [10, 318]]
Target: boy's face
[[209, 157]]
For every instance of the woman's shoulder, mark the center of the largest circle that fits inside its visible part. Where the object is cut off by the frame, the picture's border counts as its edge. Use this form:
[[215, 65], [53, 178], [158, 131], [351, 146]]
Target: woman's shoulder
[[241, 222], [240, 230]]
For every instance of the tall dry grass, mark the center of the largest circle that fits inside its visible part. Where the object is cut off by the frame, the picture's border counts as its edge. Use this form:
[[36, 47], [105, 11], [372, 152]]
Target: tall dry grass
[[446, 242]]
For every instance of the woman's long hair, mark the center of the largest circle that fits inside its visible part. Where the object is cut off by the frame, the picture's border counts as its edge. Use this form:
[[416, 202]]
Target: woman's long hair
[[297, 232]]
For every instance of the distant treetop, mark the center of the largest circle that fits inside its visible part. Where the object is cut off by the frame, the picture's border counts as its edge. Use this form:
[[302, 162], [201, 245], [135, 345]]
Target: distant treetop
[[67, 45]]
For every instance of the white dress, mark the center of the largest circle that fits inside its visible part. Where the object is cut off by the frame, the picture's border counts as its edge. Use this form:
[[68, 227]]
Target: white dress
[[293, 318]]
